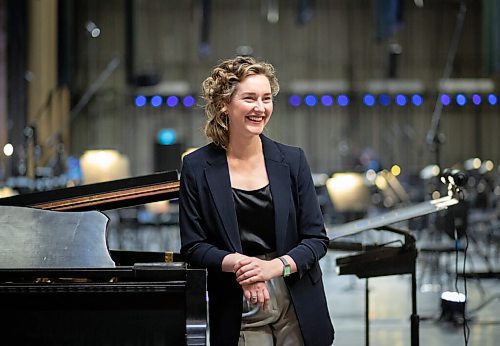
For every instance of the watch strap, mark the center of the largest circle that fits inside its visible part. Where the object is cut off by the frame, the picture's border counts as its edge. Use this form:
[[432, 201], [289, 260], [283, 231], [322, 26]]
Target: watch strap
[[286, 267]]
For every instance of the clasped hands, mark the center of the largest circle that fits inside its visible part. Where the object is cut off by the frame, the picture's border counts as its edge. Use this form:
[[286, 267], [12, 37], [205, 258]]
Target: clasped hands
[[252, 274]]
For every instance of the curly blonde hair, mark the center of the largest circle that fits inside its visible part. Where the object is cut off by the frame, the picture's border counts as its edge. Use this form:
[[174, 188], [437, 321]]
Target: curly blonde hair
[[219, 88]]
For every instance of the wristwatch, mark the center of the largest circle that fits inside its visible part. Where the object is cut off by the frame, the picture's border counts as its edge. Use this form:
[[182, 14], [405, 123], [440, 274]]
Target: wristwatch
[[287, 270]]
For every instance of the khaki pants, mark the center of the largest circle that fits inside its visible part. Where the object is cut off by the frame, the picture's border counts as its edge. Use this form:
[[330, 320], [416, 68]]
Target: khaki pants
[[278, 326]]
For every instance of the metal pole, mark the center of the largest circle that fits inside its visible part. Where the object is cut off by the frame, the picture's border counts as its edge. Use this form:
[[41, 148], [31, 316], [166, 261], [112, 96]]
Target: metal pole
[[367, 310], [415, 319]]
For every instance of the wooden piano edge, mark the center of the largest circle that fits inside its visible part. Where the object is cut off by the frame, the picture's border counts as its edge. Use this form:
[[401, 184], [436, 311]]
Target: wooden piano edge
[[102, 201], [101, 196]]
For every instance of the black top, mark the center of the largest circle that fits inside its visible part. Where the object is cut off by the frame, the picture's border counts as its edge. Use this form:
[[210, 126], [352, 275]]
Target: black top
[[255, 212]]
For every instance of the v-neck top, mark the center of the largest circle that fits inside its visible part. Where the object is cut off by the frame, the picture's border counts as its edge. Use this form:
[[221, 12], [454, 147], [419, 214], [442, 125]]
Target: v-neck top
[[255, 213]]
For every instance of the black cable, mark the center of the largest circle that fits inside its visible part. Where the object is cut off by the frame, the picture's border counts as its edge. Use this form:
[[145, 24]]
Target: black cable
[[466, 328], [455, 238]]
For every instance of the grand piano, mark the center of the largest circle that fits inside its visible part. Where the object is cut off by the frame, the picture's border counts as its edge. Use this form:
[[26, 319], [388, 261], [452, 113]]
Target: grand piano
[[61, 285]]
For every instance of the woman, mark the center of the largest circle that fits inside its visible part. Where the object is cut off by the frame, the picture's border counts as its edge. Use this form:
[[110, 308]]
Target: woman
[[250, 215]]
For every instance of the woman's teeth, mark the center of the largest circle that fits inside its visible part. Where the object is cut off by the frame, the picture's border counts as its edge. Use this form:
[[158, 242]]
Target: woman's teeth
[[255, 118]]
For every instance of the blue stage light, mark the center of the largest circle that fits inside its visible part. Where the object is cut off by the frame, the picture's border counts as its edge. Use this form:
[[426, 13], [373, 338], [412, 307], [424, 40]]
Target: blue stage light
[[417, 100], [476, 99], [461, 99], [166, 136], [311, 100], [384, 100], [343, 100], [445, 99], [492, 99], [327, 100], [156, 101], [188, 101], [295, 100], [172, 101], [369, 100], [401, 100], [140, 101]]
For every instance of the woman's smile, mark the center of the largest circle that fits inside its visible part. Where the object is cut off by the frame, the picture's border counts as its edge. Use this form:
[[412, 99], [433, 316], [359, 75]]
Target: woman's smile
[[255, 118]]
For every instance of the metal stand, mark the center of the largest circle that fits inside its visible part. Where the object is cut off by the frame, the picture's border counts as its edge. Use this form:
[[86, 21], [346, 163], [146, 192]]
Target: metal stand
[[414, 318], [387, 260], [367, 313]]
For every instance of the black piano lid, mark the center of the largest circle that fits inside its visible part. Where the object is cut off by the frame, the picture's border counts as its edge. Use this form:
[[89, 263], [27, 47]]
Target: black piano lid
[[36, 238], [44, 243], [103, 196]]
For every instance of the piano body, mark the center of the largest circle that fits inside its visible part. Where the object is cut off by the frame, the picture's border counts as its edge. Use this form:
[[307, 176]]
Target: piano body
[[59, 284]]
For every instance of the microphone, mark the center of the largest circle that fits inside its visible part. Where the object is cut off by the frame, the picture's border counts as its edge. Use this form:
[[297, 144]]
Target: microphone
[[454, 177]]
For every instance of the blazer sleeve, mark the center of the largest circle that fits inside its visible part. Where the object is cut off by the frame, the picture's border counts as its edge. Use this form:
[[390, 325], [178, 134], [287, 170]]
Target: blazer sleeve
[[314, 241], [195, 245]]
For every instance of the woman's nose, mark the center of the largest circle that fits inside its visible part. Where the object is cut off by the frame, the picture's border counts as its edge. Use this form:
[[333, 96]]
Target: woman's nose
[[259, 106]]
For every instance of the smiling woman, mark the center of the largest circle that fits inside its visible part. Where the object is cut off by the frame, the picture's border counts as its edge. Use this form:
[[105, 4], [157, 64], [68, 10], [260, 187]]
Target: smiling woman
[[250, 108], [250, 215], [220, 87]]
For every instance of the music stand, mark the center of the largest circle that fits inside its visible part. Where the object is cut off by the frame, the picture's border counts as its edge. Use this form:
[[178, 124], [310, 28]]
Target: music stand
[[382, 222], [389, 218]]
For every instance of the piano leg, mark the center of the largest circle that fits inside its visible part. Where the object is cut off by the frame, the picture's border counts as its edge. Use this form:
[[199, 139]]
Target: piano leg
[[196, 307]]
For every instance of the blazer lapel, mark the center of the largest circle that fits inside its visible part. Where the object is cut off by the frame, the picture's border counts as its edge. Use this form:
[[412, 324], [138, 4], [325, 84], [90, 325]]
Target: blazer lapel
[[217, 175], [279, 180]]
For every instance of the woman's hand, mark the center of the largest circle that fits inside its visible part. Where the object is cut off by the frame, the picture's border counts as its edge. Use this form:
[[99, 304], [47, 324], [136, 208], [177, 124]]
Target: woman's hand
[[231, 260], [250, 270], [257, 293]]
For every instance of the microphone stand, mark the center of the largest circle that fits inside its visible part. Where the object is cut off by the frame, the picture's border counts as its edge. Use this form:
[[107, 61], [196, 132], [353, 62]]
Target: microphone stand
[[434, 137]]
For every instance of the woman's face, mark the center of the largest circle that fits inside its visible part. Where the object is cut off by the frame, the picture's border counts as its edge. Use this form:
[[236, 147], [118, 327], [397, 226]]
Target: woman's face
[[251, 106]]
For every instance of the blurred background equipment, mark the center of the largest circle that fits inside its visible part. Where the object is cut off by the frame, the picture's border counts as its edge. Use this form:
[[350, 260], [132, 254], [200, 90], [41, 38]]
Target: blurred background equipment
[[349, 194], [104, 165], [7, 192]]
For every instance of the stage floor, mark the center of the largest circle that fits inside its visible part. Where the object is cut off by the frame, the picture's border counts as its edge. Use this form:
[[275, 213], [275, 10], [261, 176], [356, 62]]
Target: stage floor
[[390, 309], [390, 296]]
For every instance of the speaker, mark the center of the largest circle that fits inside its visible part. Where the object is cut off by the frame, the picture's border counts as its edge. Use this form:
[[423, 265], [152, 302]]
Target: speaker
[[167, 157]]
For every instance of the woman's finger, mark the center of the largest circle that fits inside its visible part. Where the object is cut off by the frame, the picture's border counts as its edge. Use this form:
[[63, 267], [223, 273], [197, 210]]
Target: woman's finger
[[241, 263], [260, 297], [250, 280], [247, 293], [246, 278], [245, 274]]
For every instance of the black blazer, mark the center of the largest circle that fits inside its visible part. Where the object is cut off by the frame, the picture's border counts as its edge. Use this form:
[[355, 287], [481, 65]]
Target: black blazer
[[209, 232]]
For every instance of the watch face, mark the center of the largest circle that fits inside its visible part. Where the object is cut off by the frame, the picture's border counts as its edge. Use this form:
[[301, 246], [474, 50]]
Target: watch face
[[287, 271]]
